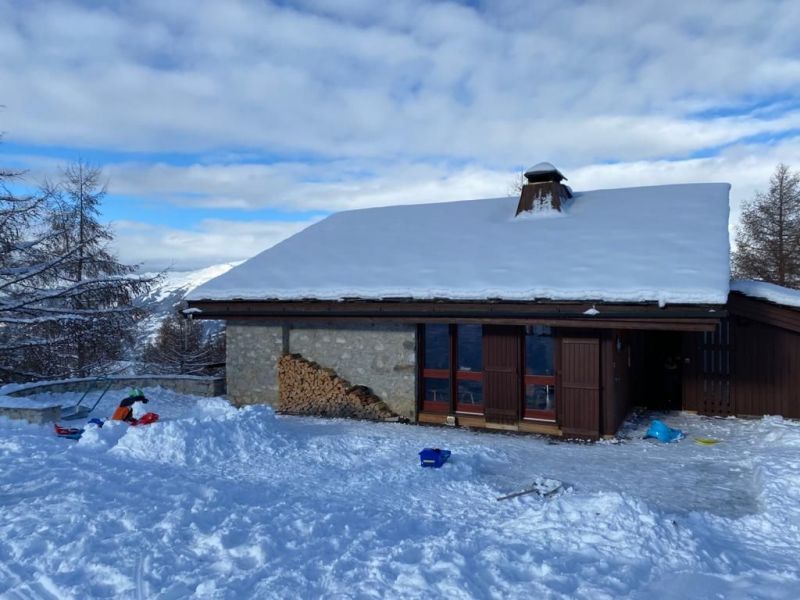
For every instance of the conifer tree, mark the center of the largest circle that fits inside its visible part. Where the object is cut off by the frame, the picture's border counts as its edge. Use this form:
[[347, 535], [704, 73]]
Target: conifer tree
[[768, 239], [66, 304], [109, 287], [182, 347]]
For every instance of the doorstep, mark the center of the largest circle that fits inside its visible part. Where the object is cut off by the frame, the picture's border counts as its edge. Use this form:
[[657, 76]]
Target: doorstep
[[479, 422]]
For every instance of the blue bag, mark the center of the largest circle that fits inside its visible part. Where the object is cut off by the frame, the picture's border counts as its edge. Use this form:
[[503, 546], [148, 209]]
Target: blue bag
[[663, 433]]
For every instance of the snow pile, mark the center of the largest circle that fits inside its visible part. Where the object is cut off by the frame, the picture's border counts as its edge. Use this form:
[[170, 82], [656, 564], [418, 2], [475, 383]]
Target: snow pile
[[767, 291], [665, 243], [214, 502]]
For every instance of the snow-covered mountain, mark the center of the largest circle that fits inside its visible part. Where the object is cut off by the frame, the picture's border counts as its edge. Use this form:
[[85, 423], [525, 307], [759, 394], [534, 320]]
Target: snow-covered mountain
[[164, 299]]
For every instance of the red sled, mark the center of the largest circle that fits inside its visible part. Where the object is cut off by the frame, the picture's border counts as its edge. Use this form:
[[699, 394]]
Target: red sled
[[145, 419], [72, 433]]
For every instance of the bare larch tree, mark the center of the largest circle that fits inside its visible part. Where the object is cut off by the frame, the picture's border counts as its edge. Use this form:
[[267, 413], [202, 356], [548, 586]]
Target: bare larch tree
[[183, 347], [768, 238], [66, 303]]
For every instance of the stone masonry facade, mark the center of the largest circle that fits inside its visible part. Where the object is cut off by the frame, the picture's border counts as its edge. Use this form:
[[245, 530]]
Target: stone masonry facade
[[381, 357], [253, 350]]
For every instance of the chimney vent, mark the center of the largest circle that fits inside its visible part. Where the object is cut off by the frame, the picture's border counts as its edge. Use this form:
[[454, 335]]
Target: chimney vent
[[543, 190]]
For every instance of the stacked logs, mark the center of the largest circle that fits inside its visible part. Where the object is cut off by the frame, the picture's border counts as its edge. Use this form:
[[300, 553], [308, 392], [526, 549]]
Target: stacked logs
[[306, 388]]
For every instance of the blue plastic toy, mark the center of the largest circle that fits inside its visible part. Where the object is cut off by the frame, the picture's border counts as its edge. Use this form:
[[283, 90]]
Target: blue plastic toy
[[433, 457], [663, 433]]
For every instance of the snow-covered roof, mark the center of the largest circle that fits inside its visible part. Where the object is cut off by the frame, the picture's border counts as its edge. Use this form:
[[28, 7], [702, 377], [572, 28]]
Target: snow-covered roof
[[767, 291], [665, 243]]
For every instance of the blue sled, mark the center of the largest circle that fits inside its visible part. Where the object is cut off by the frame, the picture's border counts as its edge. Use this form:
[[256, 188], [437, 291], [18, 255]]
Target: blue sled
[[433, 457], [663, 433]]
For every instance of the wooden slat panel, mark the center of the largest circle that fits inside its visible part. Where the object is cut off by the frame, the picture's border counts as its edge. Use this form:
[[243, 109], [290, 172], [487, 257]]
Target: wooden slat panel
[[578, 394], [708, 371], [692, 357], [501, 375]]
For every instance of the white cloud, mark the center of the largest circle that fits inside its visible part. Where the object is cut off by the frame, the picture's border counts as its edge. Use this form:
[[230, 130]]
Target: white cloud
[[305, 187], [327, 106], [212, 242], [576, 81], [291, 186]]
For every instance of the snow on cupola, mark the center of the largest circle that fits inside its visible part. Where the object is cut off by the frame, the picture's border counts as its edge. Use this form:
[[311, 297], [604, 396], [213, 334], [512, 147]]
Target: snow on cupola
[[543, 190]]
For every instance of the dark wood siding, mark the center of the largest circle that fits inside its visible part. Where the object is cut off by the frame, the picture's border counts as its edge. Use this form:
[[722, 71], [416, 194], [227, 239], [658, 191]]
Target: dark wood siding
[[767, 370], [501, 373], [578, 395], [708, 371]]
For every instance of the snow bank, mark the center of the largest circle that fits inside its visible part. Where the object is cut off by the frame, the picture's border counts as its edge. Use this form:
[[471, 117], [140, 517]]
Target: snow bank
[[215, 502], [767, 291], [666, 243]]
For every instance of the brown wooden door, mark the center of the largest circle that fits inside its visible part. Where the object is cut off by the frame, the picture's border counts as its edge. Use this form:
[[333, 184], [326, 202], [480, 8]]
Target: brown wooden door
[[578, 399], [707, 371], [501, 373]]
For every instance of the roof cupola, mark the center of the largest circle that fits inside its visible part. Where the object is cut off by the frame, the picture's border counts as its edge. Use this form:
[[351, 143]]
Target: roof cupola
[[543, 189]]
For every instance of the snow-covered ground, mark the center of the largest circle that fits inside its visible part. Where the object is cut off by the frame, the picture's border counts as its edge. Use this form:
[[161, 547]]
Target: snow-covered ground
[[214, 502]]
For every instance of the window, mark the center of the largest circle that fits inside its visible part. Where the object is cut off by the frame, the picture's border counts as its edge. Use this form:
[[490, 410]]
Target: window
[[469, 374], [436, 368], [539, 378], [452, 368]]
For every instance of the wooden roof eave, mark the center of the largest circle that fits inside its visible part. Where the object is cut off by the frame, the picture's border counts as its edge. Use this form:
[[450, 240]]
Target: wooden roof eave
[[573, 314], [764, 311]]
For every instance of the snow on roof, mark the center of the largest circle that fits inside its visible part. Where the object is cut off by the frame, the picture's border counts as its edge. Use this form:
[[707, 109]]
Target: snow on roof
[[666, 243], [767, 291], [543, 167]]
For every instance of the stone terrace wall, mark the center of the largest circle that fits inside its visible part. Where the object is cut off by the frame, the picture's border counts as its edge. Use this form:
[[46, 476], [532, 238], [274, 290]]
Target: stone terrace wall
[[309, 389], [36, 415], [183, 384]]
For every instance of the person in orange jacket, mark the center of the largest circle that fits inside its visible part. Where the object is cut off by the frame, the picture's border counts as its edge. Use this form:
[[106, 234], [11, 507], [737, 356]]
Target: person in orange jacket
[[124, 411]]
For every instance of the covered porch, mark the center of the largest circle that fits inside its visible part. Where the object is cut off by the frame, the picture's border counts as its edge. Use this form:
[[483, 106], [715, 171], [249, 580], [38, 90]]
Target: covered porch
[[577, 382]]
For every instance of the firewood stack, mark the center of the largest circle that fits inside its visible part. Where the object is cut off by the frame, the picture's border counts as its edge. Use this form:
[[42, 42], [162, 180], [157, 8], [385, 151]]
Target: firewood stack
[[306, 388]]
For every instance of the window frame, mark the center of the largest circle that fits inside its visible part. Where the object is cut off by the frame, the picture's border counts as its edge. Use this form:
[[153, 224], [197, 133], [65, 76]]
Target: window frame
[[452, 373], [435, 406], [529, 414]]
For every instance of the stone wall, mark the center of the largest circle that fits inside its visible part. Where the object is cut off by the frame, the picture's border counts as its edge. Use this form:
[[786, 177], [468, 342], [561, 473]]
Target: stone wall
[[381, 357], [183, 384], [253, 350], [37, 415], [306, 388]]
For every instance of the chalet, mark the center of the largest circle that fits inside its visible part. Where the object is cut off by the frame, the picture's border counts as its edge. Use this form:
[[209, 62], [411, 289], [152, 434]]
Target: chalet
[[554, 312]]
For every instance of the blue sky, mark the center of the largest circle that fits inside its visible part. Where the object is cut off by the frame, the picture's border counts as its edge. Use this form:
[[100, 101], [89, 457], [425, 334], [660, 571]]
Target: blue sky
[[224, 127]]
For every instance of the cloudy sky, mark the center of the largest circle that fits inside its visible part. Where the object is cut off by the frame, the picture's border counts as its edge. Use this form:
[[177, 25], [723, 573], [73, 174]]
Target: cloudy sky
[[225, 126]]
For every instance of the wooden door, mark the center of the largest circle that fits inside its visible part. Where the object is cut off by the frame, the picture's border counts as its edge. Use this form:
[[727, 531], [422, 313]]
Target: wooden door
[[707, 371], [579, 394], [501, 373]]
